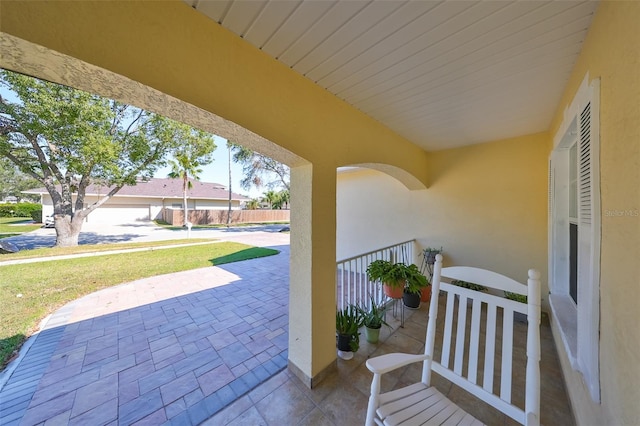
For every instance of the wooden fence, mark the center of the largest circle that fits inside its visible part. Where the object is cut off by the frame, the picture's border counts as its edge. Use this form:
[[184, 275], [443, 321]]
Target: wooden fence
[[211, 217]]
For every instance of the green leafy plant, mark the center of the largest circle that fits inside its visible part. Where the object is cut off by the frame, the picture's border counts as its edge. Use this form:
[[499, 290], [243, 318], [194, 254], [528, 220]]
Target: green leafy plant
[[348, 321], [389, 273], [432, 250], [374, 316], [515, 296], [470, 286], [397, 275], [415, 280]]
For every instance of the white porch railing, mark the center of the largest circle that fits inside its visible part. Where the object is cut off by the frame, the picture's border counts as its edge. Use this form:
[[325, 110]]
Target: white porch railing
[[353, 286]]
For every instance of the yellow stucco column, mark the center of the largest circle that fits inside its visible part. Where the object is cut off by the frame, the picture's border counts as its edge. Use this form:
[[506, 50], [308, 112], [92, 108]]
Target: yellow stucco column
[[312, 289]]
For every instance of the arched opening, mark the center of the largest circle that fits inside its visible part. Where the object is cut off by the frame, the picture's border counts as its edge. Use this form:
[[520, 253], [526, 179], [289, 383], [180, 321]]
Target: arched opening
[[29, 59], [376, 207], [313, 191], [407, 179]]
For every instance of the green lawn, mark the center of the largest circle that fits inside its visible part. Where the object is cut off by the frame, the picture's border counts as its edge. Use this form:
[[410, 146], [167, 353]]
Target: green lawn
[[60, 251], [12, 226], [30, 292]]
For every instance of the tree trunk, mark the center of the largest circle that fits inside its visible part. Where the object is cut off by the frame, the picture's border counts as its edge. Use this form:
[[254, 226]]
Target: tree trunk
[[67, 230], [67, 223], [184, 199], [229, 212]]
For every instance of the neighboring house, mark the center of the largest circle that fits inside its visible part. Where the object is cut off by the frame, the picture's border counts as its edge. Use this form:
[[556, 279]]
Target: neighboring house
[[147, 199]]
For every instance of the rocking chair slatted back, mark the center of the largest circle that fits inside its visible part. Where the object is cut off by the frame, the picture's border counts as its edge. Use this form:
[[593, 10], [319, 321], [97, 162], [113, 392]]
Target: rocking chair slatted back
[[470, 314]]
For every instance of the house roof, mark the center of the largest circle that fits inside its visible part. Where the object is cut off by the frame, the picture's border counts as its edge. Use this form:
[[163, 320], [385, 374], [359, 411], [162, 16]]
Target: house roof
[[162, 188]]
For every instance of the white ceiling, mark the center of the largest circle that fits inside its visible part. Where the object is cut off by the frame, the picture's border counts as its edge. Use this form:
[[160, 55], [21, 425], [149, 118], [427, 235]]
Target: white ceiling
[[442, 74]]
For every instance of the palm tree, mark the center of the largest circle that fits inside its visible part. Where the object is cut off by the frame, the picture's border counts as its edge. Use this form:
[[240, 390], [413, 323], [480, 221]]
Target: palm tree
[[230, 147], [253, 204], [284, 197], [270, 197], [181, 168]]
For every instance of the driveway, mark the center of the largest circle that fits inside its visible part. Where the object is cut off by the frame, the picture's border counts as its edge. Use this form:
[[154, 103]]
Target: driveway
[[133, 232]]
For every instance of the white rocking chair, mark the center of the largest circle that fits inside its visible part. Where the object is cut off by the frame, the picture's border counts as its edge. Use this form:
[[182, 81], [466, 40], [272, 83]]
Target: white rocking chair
[[421, 403]]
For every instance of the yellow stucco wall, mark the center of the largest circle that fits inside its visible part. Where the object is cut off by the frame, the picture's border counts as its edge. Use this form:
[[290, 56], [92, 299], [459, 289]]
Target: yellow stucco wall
[[489, 202], [611, 52], [486, 206]]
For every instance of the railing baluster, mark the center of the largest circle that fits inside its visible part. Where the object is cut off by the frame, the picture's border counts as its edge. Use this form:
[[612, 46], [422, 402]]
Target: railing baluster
[[352, 283]]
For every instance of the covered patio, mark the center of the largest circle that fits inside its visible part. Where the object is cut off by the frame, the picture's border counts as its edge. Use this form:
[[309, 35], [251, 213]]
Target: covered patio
[[456, 124]]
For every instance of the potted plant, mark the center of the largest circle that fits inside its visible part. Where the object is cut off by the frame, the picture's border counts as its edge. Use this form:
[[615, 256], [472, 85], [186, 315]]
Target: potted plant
[[425, 294], [430, 253], [518, 316], [428, 259], [373, 320], [348, 322], [416, 282], [392, 275]]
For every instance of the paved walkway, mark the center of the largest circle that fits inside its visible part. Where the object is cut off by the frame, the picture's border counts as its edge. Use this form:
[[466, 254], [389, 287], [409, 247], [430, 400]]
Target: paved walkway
[[172, 349]]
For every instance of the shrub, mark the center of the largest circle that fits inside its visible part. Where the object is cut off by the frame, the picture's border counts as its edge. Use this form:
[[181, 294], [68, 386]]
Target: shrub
[[471, 286], [515, 296], [20, 210], [36, 215], [7, 210]]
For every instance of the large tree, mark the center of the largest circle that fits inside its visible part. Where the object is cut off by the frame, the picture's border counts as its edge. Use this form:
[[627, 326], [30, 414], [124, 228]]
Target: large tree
[[260, 170], [195, 150], [13, 182], [67, 139]]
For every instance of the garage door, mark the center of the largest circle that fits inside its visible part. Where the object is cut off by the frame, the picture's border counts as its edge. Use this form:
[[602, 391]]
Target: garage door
[[119, 214]]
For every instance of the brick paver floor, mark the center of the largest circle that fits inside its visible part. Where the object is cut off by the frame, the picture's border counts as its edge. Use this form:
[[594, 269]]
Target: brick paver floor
[[171, 349]]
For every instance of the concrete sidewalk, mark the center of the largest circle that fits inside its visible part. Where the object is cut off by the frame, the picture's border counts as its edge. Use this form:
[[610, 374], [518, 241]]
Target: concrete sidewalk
[[172, 349]]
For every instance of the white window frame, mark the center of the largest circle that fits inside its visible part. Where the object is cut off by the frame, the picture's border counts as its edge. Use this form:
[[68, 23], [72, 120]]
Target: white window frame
[[579, 324]]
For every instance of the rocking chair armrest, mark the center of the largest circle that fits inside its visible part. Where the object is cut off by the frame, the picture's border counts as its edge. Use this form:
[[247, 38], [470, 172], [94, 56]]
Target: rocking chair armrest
[[389, 362]]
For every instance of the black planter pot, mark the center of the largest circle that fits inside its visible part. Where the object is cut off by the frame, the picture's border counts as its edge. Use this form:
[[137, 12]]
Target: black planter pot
[[344, 342], [411, 300], [520, 317]]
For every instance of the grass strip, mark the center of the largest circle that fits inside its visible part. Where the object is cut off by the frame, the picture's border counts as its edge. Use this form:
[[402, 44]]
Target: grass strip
[[30, 292], [94, 248], [10, 226]]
